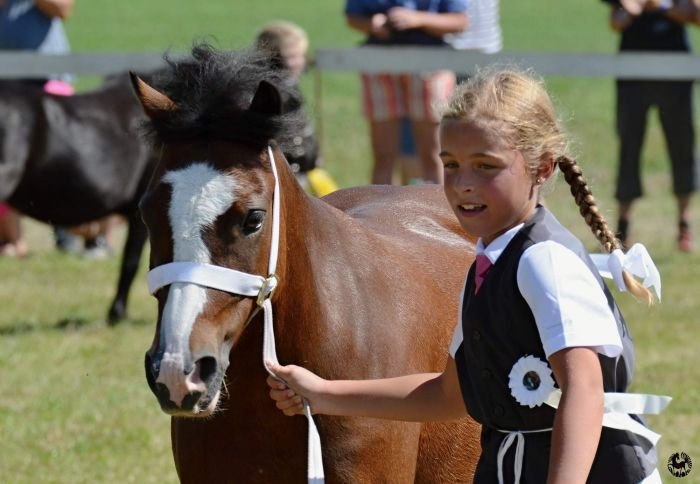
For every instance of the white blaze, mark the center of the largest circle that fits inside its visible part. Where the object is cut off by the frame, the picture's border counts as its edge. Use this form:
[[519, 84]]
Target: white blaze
[[200, 194]]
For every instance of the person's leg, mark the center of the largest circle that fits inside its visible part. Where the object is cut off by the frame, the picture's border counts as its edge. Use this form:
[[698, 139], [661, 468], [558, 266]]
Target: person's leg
[[676, 116], [11, 241], [410, 170], [686, 241], [66, 241], [425, 93], [383, 108], [428, 149], [631, 114], [384, 136]]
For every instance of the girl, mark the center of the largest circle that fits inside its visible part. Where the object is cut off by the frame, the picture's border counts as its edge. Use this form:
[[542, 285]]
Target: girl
[[533, 304]]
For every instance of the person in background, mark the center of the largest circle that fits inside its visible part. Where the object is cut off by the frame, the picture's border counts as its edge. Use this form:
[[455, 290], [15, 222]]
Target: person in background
[[37, 25], [289, 45], [11, 242], [655, 25], [541, 356], [389, 97], [483, 34]]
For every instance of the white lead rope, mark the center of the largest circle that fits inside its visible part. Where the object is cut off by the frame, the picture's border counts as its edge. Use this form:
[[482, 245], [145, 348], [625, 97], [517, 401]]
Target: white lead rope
[[244, 284]]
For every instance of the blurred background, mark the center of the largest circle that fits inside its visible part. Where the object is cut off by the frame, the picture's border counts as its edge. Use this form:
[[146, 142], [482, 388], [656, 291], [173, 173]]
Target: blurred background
[[74, 404]]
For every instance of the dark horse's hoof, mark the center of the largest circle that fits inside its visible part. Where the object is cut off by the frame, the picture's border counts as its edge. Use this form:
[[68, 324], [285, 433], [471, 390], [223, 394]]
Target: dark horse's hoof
[[117, 313]]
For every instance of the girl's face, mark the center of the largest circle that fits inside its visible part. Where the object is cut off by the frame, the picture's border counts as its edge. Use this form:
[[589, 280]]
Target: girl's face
[[487, 183]]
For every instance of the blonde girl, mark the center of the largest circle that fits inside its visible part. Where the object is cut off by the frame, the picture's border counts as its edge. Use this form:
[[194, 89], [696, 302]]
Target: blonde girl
[[541, 355]]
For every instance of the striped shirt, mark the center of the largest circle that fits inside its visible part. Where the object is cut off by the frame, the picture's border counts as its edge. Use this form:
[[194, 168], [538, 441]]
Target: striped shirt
[[483, 30]]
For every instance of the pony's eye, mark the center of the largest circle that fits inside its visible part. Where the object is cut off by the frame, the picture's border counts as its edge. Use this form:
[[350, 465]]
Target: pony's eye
[[253, 221]]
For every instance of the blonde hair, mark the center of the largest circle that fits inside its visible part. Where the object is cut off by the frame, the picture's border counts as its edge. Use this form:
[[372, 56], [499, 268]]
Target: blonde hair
[[280, 36], [517, 104]]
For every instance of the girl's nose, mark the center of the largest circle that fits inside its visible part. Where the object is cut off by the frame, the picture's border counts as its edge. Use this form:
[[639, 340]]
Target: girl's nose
[[464, 183]]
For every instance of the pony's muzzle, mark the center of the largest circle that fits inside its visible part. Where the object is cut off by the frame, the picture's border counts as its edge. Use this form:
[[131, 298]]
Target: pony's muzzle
[[178, 389]]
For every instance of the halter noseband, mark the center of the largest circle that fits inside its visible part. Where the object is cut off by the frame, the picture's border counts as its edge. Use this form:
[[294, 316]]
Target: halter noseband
[[244, 284]]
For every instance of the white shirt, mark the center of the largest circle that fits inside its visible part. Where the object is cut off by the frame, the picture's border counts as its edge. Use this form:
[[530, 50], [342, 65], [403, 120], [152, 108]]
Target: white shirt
[[569, 306]]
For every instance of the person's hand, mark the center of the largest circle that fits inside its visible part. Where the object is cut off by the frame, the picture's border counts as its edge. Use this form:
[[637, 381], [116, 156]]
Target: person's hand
[[379, 26], [299, 384], [400, 18], [633, 7]]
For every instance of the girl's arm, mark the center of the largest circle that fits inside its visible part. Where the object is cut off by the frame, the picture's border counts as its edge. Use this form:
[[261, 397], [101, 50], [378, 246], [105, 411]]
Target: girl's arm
[[418, 397], [579, 418]]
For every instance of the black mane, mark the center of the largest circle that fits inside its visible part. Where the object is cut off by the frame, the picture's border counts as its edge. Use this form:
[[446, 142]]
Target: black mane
[[213, 91]]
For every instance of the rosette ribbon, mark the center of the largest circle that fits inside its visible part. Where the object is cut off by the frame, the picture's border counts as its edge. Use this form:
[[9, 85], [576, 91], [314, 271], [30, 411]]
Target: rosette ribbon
[[617, 408]]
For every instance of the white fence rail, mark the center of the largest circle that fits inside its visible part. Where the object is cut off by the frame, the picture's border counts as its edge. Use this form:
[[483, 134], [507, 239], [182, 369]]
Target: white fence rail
[[657, 65]]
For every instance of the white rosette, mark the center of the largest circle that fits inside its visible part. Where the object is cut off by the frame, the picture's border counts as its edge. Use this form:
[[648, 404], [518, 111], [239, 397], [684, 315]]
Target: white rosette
[[530, 381]]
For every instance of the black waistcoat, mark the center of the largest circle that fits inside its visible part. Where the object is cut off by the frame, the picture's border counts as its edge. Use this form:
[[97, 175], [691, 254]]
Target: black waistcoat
[[499, 328]]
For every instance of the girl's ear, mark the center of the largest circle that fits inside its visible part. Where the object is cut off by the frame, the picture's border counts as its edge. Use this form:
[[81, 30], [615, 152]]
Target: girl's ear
[[548, 164]]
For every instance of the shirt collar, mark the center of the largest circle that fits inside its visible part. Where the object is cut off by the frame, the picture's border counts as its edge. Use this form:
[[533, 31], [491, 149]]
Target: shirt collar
[[494, 250]]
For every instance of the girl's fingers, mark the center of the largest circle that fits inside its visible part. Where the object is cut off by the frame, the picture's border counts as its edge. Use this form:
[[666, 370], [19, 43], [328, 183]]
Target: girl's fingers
[[280, 395], [292, 406], [274, 383]]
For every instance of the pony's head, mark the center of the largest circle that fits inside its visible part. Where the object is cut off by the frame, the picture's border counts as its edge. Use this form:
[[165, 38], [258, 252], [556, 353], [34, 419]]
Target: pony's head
[[210, 207]]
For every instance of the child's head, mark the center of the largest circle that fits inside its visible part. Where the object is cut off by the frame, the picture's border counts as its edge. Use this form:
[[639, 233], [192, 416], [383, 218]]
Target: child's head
[[287, 42], [516, 106], [501, 140]]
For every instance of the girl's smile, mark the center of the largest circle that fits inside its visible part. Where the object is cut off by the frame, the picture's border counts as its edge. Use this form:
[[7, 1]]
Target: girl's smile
[[487, 183]]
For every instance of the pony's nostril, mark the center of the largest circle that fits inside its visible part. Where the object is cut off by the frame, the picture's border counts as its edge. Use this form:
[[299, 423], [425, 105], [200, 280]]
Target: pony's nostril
[[207, 368], [151, 372]]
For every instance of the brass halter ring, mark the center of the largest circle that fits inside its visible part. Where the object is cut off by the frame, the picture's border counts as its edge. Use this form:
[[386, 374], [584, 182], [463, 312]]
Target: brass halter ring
[[267, 289]]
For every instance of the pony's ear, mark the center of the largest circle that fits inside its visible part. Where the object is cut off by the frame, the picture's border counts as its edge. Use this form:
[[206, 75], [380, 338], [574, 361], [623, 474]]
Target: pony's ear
[[154, 102], [267, 99]]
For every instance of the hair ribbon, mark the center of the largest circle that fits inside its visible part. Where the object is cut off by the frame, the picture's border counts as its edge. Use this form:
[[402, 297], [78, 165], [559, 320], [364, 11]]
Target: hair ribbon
[[636, 261]]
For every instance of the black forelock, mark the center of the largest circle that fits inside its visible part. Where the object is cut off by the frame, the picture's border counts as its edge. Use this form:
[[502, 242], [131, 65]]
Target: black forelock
[[213, 90]]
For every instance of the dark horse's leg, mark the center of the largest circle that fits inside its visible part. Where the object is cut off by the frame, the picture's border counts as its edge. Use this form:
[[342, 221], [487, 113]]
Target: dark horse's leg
[[135, 240]]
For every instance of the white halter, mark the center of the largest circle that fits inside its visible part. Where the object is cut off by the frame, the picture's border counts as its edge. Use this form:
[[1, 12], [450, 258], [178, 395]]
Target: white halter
[[245, 284]]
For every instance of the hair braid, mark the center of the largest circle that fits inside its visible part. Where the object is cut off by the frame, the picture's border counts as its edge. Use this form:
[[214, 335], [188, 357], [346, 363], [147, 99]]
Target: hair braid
[[587, 204], [595, 220]]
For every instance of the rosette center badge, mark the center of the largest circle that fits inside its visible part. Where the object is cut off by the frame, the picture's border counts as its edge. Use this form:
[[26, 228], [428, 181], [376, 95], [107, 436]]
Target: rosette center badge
[[530, 381]]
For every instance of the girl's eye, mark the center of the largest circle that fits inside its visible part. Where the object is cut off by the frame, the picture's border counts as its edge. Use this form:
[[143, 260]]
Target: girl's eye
[[450, 164], [486, 166], [253, 221]]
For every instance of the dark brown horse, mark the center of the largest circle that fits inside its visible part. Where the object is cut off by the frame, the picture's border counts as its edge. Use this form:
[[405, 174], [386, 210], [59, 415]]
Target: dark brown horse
[[72, 160], [369, 281]]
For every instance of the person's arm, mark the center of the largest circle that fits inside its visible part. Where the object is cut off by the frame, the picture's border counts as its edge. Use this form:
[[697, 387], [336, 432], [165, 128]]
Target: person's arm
[[437, 24], [376, 25], [55, 8], [620, 19], [579, 417], [683, 13], [417, 398]]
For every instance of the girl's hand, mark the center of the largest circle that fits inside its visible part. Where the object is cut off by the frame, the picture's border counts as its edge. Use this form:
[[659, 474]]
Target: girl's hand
[[299, 384]]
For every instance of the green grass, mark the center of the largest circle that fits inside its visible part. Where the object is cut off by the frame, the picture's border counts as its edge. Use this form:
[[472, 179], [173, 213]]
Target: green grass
[[74, 404]]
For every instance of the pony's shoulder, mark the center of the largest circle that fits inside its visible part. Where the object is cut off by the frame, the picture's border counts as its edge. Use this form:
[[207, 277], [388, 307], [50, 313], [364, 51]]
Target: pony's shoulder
[[379, 198], [401, 210]]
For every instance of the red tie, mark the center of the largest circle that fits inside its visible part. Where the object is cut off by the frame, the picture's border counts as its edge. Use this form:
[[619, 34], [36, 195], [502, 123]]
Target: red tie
[[483, 264]]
